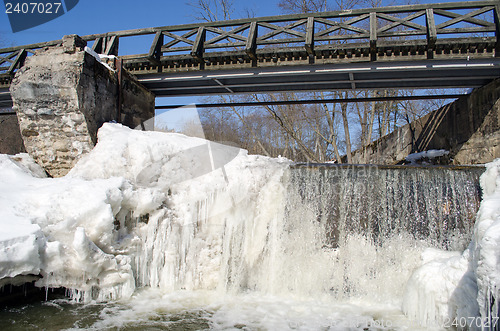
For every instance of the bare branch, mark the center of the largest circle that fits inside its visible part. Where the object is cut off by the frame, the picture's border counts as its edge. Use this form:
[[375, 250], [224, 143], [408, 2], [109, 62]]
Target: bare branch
[[212, 10]]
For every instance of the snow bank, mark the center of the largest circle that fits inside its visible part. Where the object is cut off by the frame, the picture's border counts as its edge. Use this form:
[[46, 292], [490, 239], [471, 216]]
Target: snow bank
[[20, 240], [40, 219], [463, 289]]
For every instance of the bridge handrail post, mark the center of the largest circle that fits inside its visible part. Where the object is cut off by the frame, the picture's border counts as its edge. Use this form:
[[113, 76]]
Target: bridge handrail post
[[373, 36], [431, 32], [106, 45], [98, 45], [497, 30], [112, 46], [251, 44], [309, 45], [197, 50], [18, 62], [155, 53]]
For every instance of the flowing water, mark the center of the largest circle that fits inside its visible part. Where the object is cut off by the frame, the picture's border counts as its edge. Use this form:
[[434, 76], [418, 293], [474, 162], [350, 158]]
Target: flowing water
[[311, 247]]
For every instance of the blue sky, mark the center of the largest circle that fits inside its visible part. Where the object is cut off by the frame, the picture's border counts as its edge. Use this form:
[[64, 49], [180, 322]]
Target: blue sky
[[92, 16]]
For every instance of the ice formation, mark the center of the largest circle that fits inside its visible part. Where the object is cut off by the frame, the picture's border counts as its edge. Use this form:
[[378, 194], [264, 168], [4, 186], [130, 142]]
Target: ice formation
[[462, 290], [91, 229], [61, 229]]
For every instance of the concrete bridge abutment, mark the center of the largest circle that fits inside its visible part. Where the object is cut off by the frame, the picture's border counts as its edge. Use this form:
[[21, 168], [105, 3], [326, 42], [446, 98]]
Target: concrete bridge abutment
[[62, 96]]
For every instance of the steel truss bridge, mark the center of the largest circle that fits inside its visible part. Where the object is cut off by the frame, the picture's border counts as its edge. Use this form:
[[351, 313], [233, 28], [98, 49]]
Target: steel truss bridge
[[445, 45]]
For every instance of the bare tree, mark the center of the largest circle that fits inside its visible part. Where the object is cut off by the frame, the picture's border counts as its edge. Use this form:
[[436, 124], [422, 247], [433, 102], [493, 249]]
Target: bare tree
[[212, 10], [302, 6]]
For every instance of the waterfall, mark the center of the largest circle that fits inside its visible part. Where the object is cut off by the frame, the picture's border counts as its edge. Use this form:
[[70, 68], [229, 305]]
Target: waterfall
[[436, 204], [379, 219], [309, 230]]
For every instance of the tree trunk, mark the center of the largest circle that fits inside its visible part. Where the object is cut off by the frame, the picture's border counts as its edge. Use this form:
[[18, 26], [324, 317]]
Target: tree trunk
[[346, 133], [331, 128], [371, 122]]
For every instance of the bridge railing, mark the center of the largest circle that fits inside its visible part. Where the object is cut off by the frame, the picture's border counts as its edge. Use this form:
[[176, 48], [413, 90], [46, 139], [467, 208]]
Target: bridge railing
[[428, 30]]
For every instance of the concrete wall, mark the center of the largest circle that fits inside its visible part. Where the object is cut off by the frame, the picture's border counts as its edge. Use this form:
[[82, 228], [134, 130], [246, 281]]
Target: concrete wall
[[138, 103], [11, 141], [469, 128], [63, 95]]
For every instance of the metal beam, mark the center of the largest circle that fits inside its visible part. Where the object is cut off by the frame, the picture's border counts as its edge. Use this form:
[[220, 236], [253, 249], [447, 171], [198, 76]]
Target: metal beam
[[6, 110], [351, 79], [356, 76], [316, 101], [224, 86]]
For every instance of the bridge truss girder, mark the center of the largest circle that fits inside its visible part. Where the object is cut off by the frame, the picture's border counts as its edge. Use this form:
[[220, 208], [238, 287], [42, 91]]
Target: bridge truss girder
[[356, 76]]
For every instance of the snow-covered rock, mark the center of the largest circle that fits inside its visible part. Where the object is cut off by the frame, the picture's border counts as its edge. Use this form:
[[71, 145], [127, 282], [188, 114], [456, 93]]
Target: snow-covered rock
[[426, 157]]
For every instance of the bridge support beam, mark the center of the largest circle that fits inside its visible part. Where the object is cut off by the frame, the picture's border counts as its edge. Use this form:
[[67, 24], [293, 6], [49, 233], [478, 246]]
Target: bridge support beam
[[64, 94]]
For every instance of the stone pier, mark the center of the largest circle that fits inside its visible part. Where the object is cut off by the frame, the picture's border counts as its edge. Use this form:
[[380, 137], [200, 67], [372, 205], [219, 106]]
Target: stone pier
[[62, 96]]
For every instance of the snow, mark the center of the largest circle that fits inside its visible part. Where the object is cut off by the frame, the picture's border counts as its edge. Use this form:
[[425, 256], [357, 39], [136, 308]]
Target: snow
[[99, 57], [463, 286], [40, 217], [433, 297], [430, 154], [485, 247], [19, 238]]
